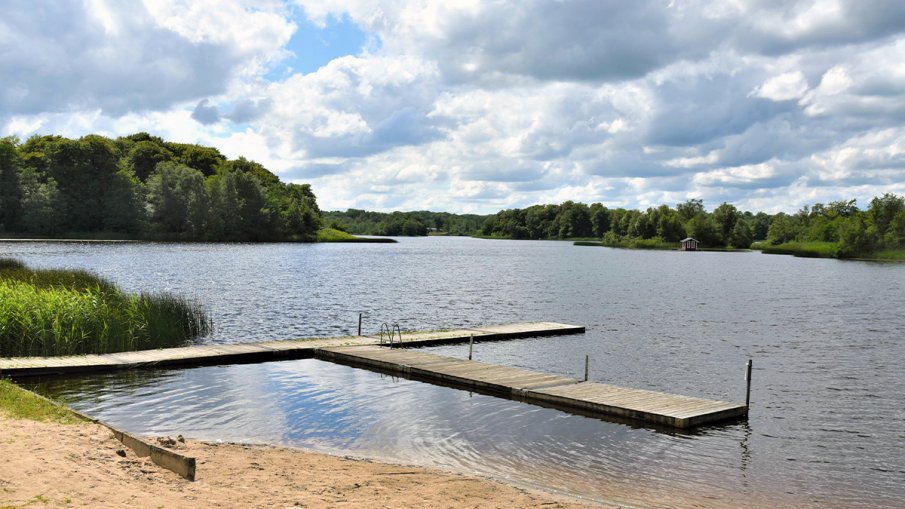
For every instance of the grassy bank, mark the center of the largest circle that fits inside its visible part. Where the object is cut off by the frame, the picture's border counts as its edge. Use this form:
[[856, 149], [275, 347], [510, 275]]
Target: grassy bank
[[638, 243], [18, 403], [70, 312], [888, 254], [333, 235], [800, 249]]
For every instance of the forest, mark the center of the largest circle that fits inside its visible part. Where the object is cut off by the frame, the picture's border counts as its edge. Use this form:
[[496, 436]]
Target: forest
[[838, 229], [422, 222], [142, 187]]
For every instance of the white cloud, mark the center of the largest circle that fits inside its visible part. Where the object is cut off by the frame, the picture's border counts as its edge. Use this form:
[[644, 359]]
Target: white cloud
[[482, 105], [785, 87], [735, 176]]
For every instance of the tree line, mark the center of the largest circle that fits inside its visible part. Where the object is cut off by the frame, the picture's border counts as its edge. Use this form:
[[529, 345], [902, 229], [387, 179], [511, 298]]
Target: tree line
[[847, 230], [140, 186], [422, 222], [725, 226]]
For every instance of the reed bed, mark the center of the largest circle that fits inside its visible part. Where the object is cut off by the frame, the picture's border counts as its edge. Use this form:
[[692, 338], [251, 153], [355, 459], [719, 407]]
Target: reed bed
[[802, 249], [70, 312]]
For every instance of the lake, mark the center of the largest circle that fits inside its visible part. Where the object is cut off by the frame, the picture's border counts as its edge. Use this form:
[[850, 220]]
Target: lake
[[827, 338]]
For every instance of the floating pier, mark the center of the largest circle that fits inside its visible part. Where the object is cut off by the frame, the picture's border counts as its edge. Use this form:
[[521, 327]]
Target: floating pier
[[205, 355], [570, 394], [387, 354]]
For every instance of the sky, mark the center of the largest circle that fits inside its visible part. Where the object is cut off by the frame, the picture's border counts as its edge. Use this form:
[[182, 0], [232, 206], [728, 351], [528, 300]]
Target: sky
[[476, 106]]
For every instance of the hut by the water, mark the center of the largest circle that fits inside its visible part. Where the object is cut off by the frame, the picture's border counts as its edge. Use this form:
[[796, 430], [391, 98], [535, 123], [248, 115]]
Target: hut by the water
[[689, 244]]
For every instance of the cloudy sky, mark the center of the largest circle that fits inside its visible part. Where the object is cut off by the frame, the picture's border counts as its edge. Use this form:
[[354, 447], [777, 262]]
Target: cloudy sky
[[475, 106]]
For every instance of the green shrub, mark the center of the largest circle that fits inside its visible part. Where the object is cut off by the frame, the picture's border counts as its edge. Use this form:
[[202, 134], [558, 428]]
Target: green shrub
[[334, 235], [802, 249], [63, 312]]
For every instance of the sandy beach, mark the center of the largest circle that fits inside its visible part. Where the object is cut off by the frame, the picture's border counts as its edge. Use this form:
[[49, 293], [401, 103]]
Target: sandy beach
[[82, 465]]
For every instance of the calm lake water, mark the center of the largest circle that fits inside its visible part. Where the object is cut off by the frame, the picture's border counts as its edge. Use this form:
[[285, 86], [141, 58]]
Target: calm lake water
[[827, 337]]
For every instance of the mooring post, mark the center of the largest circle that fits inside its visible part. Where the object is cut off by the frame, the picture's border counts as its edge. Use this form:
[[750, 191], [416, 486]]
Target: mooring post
[[470, 346], [586, 359], [359, 324], [748, 379]]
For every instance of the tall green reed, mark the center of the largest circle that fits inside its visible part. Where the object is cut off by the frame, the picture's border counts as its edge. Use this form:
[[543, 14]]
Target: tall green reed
[[64, 312]]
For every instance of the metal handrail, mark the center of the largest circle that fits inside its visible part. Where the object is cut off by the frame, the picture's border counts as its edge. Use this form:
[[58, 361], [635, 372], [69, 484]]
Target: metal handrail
[[390, 333]]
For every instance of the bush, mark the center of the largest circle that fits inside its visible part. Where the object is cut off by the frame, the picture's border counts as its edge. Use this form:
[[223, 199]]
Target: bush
[[61, 312]]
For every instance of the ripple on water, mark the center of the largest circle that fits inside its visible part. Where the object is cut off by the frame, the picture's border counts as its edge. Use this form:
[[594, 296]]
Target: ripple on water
[[826, 336]]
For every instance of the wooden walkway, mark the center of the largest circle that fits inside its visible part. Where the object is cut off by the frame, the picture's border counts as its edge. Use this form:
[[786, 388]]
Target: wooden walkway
[[586, 398], [261, 351]]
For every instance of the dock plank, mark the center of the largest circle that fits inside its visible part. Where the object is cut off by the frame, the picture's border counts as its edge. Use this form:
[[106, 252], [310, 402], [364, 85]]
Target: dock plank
[[264, 350], [543, 388], [587, 398]]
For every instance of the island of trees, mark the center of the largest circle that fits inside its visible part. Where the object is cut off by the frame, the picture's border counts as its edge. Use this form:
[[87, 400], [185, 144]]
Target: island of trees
[[141, 186]]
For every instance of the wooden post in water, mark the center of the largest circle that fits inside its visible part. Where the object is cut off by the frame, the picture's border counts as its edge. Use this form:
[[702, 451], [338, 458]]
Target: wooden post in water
[[470, 346], [748, 379], [359, 324], [586, 359]]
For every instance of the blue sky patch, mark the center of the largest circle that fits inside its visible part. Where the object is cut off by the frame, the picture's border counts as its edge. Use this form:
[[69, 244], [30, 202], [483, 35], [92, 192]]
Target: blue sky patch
[[313, 46]]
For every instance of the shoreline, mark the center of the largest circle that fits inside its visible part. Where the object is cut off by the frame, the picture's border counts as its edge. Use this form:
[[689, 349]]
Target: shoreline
[[82, 465]]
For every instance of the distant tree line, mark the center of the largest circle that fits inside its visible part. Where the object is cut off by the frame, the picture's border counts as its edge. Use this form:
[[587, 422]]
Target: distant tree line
[[422, 222], [849, 231], [725, 226], [141, 186]]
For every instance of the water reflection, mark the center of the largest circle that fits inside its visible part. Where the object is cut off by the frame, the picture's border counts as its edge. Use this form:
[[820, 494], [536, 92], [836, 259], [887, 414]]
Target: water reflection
[[827, 337], [334, 408]]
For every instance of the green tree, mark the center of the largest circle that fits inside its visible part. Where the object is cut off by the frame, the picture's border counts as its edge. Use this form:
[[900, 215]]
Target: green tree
[[761, 225], [600, 219], [573, 220], [204, 159], [741, 236], [841, 208], [412, 227], [690, 209], [725, 216], [83, 170], [783, 228], [124, 211], [856, 237], [299, 216], [895, 232], [883, 210], [145, 155], [702, 228], [10, 189], [40, 204], [257, 170], [177, 202], [669, 224], [238, 208]]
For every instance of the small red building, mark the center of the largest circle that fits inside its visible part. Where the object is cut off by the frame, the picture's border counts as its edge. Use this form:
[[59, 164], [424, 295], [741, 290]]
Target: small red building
[[689, 244]]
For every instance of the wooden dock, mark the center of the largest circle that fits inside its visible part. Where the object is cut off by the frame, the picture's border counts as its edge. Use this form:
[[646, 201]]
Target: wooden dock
[[263, 351], [374, 352], [570, 394]]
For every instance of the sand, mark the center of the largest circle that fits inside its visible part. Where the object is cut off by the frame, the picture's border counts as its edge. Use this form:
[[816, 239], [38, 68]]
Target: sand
[[81, 465]]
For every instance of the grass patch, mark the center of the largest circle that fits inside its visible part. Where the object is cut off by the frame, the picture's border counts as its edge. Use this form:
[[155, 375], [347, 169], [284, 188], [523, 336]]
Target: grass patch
[[801, 249], [639, 243], [18, 403], [71, 312], [333, 235], [887, 254]]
